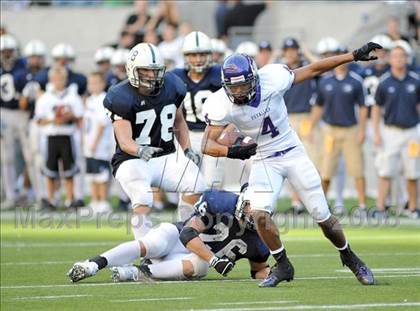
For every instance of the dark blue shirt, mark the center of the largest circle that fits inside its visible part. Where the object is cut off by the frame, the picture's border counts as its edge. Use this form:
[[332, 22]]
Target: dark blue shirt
[[151, 117], [224, 235], [9, 85], [111, 79], [372, 70], [400, 99], [339, 98], [197, 93], [25, 79], [73, 78], [300, 97]]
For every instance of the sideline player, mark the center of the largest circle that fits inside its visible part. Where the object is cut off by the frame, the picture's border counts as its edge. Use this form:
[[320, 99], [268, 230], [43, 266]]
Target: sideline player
[[226, 230], [253, 101], [146, 112]]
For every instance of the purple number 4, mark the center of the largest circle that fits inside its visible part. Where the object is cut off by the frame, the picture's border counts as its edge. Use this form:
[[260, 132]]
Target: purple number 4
[[269, 128]]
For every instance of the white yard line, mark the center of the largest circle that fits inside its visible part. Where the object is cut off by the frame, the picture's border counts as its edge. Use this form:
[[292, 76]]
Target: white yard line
[[188, 282], [256, 302], [152, 299], [296, 239], [388, 270], [32, 263], [50, 297], [320, 307]]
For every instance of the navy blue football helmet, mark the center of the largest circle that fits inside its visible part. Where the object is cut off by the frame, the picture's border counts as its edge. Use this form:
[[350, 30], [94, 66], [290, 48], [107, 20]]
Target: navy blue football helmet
[[240, 79]]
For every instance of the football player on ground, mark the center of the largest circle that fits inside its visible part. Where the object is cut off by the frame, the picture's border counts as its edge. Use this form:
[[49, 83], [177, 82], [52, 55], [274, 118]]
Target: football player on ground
[[146, 111], [223, 220], [253, 101], [201, 79]]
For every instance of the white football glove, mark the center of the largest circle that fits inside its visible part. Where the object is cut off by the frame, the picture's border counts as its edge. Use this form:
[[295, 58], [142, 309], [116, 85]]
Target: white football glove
[[146, 152]]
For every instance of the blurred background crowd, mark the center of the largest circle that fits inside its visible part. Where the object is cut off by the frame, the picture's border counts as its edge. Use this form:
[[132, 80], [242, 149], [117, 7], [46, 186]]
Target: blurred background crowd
[[265, 30]]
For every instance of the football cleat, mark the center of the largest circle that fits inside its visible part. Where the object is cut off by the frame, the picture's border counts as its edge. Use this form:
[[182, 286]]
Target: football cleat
[[82, 270], [279, 273], [131, 273], [363, 274]]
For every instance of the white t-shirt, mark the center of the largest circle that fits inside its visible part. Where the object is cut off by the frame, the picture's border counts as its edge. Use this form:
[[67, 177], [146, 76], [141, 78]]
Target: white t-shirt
[[266, 121], [47, 105], [94, 117]]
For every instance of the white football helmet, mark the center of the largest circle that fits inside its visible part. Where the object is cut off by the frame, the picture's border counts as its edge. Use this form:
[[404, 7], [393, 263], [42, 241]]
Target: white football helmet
[[328, 45], [218, 46], [146, 56], [197, 42], [248, 48], [119, 57], [104, 54], [8, 42], [35, 48], [63, 50], [383, 40]]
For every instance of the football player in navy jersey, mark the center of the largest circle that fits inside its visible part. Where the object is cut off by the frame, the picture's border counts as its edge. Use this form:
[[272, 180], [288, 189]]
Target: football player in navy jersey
[[146, 111], [13, 120], [64, 55], [201, 78], [226, 230], [35, 53]]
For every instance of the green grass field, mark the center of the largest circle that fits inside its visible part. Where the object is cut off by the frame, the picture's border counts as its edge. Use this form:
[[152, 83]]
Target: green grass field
[[35, 260]]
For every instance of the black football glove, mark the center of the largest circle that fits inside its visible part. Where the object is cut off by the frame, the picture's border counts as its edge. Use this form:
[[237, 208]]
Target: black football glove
[[222, 265], [363, 53], [242, 152]]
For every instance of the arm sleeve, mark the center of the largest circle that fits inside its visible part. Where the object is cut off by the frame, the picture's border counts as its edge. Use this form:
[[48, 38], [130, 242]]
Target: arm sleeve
[[114, 109], [215, 113], [379, 95], [319, 96], [361, 94], [278, 77]]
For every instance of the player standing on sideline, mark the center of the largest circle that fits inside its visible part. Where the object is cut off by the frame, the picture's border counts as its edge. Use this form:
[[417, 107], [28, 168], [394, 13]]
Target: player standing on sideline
[[146, 111], [398, 94], [344, 133], [299, 101], [13, 119], [253, 101], [35, 52], [201, 79], [98, 143]]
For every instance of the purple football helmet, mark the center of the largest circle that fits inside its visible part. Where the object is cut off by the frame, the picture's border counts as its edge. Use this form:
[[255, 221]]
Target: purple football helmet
[[240, 79]]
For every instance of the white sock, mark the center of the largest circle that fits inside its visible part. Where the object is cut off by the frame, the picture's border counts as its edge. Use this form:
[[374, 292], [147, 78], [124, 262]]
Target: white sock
[[122, 254], [185, 210], [140, 224], [168, 270]]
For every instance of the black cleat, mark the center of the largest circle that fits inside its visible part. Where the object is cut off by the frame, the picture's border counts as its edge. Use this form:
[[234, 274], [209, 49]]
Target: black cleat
[[279, 273], [363, 274]]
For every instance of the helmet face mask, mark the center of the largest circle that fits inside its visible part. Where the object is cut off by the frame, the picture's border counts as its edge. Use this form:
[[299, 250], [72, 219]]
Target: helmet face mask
[[198, 61], [242, 212], [150, 80], [240, 79]]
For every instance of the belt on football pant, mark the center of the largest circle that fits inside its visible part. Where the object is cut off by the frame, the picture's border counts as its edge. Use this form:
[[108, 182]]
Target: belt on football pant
[[281, 153]]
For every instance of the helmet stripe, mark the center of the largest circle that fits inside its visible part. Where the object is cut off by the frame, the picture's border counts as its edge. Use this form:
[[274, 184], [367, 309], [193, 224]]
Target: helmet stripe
[[153, 53], [197, 43]]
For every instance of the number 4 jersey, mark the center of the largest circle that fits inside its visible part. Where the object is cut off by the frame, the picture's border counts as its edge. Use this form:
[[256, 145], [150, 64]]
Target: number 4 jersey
[[151, 117], [266, 119], [197, 93]]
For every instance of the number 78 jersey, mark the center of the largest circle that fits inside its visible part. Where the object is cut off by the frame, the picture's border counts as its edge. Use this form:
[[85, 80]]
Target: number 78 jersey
[[265, 120]]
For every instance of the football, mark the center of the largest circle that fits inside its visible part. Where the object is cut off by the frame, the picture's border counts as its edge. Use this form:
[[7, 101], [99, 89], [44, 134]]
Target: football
[[234, 139]]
